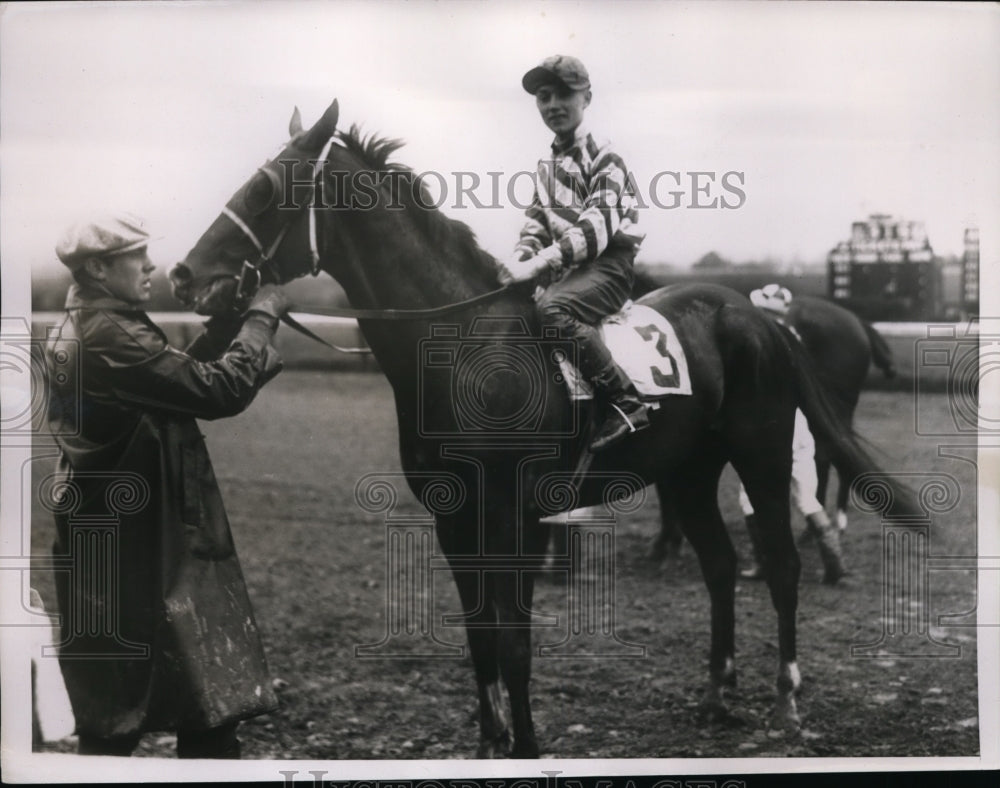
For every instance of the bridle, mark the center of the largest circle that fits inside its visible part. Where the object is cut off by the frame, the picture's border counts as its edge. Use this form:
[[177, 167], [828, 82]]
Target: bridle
[[250, 277], [251, 274]]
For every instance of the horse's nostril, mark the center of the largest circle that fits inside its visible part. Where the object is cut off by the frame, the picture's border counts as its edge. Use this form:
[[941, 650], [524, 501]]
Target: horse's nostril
[[180, 275]]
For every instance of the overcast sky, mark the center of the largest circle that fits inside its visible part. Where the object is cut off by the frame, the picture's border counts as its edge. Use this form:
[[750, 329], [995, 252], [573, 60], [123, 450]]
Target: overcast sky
[[830, 111]]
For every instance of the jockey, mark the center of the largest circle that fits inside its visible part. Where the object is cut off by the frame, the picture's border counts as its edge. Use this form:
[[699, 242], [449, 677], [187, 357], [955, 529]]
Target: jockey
[[775, 300], [581, 233]]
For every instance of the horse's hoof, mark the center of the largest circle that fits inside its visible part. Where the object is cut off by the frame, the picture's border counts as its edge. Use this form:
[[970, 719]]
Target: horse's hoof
[[791, 726], [497, 747], [836, 577], [528, 751], [719, 714], [786, 718], [659, 554], [713, 709]]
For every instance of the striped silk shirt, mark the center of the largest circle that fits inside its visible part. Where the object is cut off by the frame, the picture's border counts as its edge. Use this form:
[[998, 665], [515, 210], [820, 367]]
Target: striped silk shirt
[[582, 204]]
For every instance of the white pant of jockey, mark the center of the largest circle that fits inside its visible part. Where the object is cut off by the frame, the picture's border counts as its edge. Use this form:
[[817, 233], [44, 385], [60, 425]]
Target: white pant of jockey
[[804, 479]]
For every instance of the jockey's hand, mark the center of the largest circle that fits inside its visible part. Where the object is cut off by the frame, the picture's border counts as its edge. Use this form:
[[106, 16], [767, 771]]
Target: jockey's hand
[[504, 267], [523, 270], [271, 300]]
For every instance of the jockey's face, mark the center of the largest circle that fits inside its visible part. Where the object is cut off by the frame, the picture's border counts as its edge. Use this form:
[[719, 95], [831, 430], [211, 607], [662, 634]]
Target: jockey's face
[[562, 108]]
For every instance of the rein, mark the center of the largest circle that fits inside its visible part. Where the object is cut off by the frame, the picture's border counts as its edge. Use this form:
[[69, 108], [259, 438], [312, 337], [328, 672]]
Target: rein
[[419, 314], [390, 314]]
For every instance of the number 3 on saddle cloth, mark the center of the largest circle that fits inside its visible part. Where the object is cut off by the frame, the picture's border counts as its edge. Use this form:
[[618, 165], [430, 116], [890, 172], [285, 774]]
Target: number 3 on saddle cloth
[[646, 347]]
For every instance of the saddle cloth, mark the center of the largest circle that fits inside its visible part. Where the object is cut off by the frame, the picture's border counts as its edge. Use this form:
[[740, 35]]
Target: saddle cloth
[[644, 344]]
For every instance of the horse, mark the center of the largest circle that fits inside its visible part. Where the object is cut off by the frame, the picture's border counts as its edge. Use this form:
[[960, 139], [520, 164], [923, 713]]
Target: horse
[[332, 201], [841, 347]]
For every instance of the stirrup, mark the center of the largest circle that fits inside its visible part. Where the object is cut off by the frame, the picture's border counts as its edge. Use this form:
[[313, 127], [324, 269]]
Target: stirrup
[[625, 418], [615, 428]]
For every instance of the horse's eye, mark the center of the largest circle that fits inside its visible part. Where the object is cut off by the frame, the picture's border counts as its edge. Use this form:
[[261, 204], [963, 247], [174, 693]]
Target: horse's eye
[[259, 193]]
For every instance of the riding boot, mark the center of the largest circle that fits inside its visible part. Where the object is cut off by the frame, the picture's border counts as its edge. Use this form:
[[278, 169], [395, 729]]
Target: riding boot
[[828, 541], [626, 412], [756, 569]]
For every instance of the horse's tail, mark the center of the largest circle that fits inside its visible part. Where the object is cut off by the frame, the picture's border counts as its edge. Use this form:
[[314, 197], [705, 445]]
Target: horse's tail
[[846, 452], [881, 352]]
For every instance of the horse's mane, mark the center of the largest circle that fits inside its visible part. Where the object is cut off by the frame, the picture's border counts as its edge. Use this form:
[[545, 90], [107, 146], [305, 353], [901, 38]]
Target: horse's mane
[[440, 230]]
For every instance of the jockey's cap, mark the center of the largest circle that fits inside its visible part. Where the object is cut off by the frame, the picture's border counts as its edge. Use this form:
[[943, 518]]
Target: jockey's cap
[[557, 69], [773, 298], [101, 236]]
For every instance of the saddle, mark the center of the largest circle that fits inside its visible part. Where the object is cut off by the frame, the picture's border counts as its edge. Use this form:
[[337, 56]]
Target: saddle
[[645, 345]]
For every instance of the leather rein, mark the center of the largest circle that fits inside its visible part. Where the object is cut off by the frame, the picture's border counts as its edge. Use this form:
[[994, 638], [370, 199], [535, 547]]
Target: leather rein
[[249, 278]]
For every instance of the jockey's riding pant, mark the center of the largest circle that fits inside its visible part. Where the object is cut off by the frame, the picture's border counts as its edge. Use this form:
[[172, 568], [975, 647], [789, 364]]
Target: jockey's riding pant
[[581, 299], [804, 479]]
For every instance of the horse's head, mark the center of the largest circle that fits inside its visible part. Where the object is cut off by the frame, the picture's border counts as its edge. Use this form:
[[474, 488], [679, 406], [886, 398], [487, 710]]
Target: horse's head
[[251, 240]]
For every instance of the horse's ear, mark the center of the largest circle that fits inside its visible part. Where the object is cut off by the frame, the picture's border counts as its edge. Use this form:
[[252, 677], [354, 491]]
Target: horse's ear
[[331, 116], [324, 128], [295, 124]]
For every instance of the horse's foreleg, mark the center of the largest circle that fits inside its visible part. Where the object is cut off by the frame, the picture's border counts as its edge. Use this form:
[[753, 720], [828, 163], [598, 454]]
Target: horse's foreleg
[[459, 543], [513, 595], [668, 541], [480, 621]]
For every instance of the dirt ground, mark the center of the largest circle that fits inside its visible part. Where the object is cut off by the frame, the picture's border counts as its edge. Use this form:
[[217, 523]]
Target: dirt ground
[[315, 563]]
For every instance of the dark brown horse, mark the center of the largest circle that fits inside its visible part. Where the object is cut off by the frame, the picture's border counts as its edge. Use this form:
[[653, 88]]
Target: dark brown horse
[[841, 347], [503, 424]]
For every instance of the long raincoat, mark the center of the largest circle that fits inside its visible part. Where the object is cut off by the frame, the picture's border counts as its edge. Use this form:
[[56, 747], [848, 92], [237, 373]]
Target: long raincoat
[[157, 629]]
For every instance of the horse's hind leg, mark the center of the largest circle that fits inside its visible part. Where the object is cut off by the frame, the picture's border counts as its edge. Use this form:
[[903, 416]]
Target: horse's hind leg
[[843, 491], [823, 463], [768, 492], [694, 492], [822, 472]]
